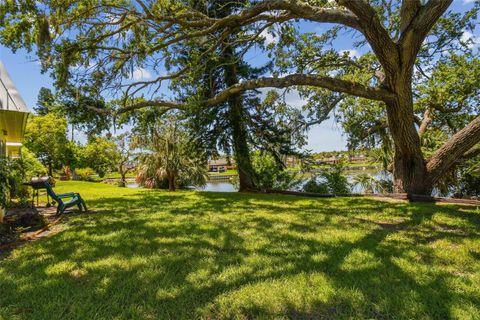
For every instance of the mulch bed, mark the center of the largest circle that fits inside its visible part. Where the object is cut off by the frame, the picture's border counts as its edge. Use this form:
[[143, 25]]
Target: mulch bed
[[14, 235]]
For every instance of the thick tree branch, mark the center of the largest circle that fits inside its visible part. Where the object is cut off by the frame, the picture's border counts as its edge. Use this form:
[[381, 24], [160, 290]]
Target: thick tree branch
[[167, 105], [475, 151], [299, 8], [427, 119], [375, 33], [407, 12], [337, 85], [412, 38], [453, 149]]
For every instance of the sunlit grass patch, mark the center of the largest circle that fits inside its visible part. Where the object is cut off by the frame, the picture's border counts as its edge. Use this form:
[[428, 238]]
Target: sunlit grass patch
[[143, 254]]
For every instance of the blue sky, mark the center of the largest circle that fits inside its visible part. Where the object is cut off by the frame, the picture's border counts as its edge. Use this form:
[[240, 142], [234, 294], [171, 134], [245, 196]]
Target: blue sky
[[25, 72]]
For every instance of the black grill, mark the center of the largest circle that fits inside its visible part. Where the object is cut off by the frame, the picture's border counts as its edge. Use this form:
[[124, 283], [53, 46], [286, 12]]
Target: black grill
[[39, 182]]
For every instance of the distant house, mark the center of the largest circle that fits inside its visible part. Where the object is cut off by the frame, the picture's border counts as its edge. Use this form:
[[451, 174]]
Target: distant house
[[330, 160], [13, 116], [358, 158], [291, 161], [221, 165]]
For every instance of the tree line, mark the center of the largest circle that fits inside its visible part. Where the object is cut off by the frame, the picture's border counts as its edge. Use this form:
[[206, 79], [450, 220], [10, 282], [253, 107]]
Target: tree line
[[412, 93]]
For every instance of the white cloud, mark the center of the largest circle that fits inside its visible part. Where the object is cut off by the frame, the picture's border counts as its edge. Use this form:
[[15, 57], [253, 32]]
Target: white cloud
[[468, 1], [140, 74], [269, 38], [470, 39], [352, 53], [327, 136], [293, 99]]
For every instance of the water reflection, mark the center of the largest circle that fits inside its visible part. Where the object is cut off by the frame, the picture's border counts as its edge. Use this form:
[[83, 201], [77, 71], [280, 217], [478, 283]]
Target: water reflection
[[132, 185], [226, 186], [216, 186]]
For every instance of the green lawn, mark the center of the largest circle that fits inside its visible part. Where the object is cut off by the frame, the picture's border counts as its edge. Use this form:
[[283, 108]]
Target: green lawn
[[157, 255], [116, 175]]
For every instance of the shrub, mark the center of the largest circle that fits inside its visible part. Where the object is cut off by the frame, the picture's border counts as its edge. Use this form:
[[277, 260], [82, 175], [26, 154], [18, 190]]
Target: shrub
[[31, 221], [370, 184], [470, 184], [313, 186], [271, 174], [7, 233], [329, 182], [4, 186], [15, 190], [85, 174], [31, 165], [384, 186]]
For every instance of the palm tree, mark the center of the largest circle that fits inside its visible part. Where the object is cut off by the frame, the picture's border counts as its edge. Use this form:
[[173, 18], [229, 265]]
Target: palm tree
[[168, 159]]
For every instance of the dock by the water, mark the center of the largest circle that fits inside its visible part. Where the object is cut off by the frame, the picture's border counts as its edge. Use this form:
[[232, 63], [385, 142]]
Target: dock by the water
[[221, 177]]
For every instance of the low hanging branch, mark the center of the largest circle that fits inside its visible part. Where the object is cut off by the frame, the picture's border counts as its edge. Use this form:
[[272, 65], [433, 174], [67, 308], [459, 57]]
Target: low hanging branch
[[338, 85]]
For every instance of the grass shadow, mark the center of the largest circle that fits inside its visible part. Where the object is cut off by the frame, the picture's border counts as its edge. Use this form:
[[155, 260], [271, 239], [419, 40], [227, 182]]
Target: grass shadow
[[149, 254]]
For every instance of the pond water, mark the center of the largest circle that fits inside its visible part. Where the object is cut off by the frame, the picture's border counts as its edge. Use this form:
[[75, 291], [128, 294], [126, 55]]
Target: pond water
[[132, 185], [225, 186], [216, 186]]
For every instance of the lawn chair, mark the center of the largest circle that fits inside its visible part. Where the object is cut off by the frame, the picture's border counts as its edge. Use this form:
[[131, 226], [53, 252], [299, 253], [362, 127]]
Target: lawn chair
[[75, 199]]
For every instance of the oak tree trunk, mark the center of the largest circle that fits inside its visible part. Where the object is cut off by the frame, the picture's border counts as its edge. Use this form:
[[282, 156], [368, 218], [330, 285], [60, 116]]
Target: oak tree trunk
[[123, 178], [410, 173], [171, 181]]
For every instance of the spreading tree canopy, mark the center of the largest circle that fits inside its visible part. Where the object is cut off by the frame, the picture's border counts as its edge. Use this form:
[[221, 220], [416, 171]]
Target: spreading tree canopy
[[406, 44]]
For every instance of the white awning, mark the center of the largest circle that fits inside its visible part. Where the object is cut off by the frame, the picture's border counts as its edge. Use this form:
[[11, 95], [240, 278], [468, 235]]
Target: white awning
[[13, 110], [10, 98]]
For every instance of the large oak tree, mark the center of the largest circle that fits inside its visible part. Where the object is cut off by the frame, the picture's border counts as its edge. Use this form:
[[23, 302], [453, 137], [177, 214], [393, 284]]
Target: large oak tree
[[100, 43]]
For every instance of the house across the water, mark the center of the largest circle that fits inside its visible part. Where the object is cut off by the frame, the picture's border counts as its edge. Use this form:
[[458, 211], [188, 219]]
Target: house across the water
[[13, 116], [221, 165]]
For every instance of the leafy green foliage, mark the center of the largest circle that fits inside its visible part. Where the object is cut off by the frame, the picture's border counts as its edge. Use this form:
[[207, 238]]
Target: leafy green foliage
[[370, 184], [100, 154], [470, 184], [45, 136], [32, 166], [199, 43], [313, 186], [46, 102], [77, 107], [4, 186], [85, 174], [13, 173], [125, 157], [168, 159], [271, 175], [329, 182]]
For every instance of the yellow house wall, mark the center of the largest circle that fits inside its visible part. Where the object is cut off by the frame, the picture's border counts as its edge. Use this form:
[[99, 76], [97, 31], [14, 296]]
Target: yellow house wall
[[3, 150], [3, 142]]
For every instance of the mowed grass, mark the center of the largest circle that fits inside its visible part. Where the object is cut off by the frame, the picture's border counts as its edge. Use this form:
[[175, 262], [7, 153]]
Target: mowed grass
[[144, 254]]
